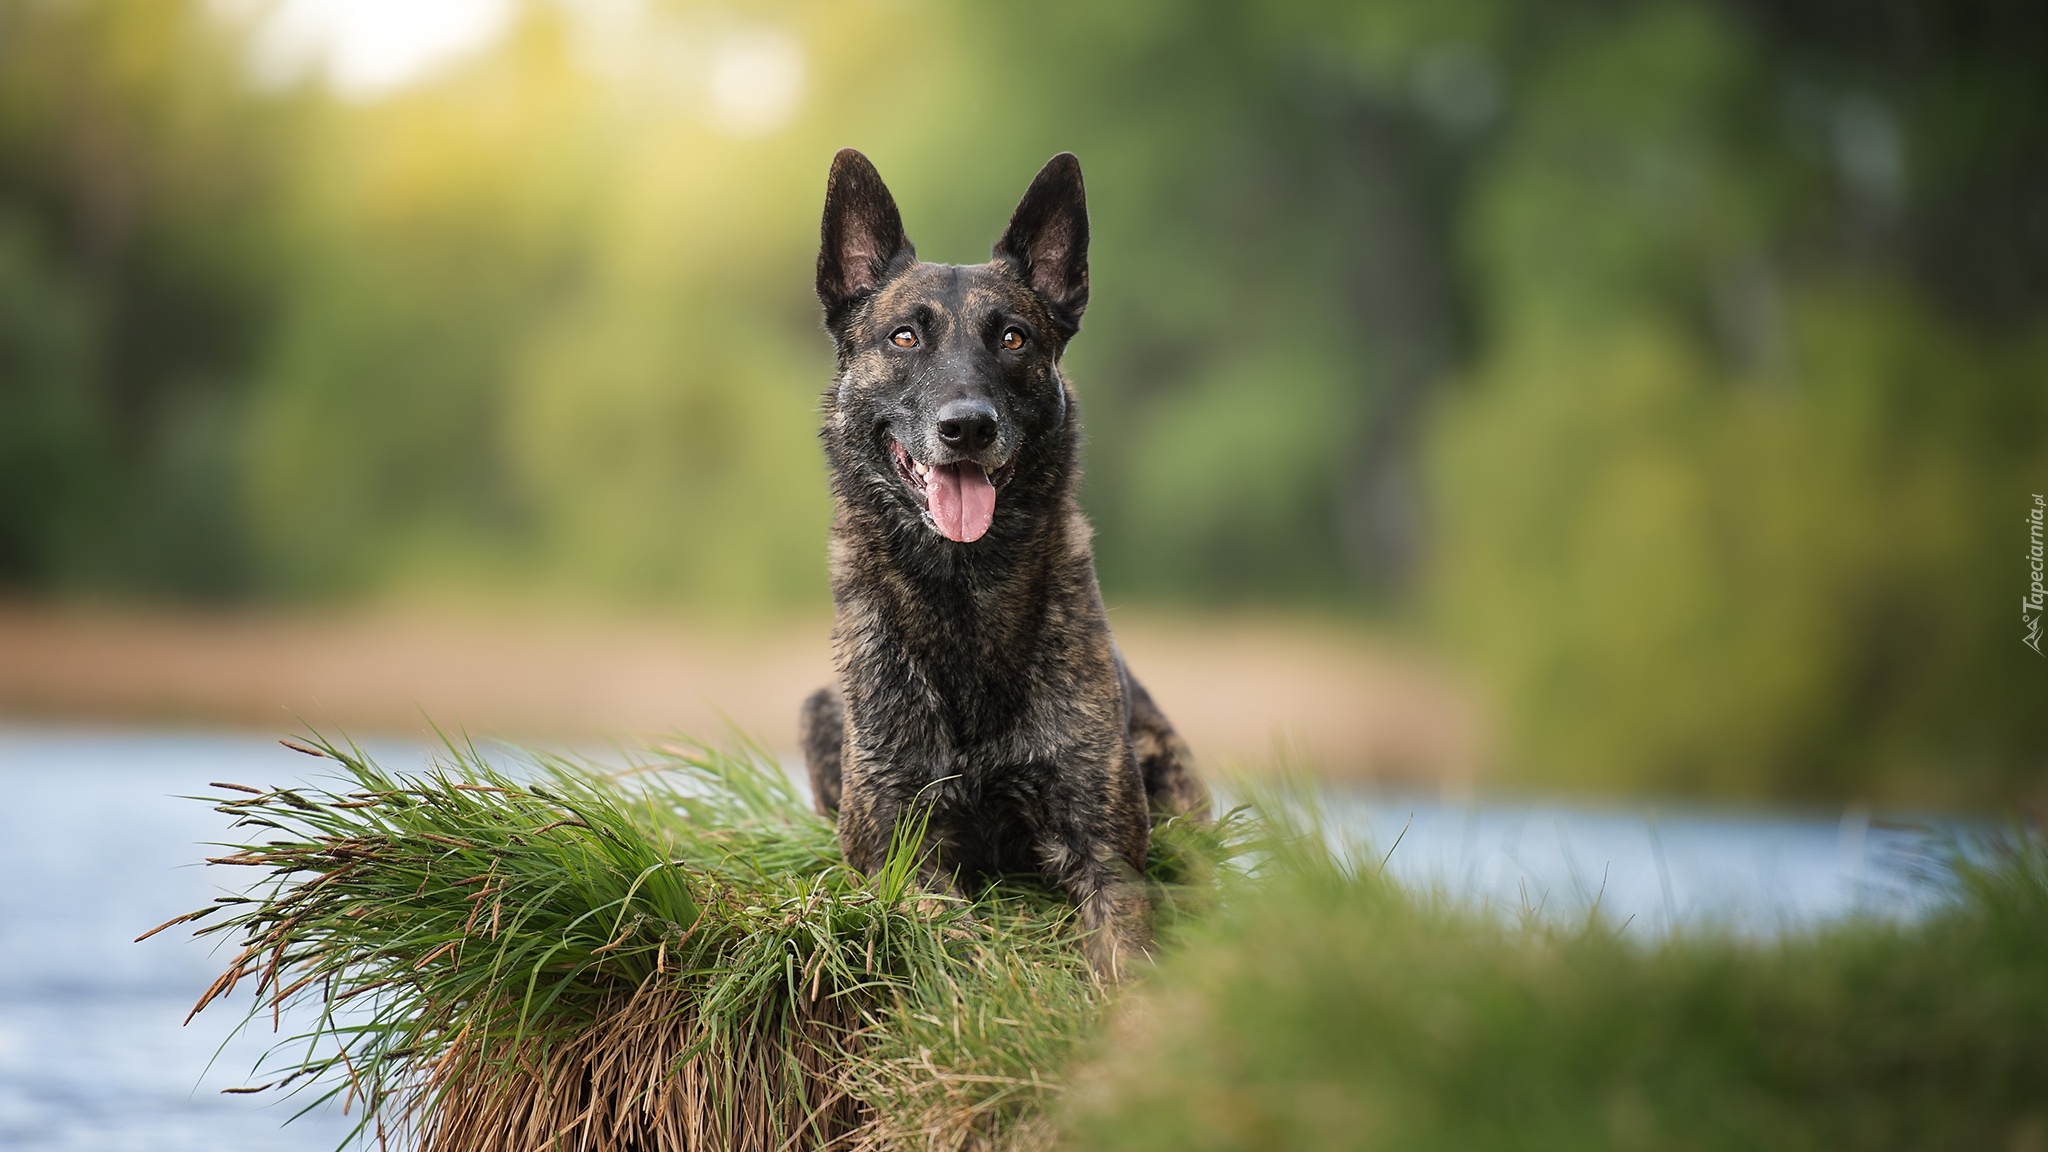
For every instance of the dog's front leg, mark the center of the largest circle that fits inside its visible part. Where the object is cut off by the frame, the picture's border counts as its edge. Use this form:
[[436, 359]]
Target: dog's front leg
[[940, 884], [1115, 915], [868, 826]]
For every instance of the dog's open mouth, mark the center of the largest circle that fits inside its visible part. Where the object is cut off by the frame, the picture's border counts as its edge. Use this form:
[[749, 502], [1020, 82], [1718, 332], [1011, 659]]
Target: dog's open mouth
[[959, 498]]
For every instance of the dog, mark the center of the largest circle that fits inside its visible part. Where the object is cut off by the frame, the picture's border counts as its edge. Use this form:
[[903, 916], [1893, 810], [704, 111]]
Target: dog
[[979, 689]]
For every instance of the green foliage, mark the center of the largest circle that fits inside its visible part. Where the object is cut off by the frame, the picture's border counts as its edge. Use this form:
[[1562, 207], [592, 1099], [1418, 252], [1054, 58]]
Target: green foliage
[[1335, 1010], [1772, 577]]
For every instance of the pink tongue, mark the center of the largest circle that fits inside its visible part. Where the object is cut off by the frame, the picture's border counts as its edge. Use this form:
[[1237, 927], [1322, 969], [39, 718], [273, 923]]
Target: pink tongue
[[962, 500]]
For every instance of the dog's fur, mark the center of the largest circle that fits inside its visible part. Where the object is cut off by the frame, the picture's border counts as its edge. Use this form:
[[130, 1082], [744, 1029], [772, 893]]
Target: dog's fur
[[979, 687]]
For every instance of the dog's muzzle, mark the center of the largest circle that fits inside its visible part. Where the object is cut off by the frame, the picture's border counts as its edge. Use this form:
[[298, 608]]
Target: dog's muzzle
[[958, 498]]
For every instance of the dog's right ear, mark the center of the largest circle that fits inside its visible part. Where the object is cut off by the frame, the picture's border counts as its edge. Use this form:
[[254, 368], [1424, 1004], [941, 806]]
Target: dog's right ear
[[862, 241]]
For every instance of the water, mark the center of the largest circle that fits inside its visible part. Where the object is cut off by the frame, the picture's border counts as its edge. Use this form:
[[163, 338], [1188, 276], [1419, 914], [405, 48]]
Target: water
[[96, 848], [1647, 872]]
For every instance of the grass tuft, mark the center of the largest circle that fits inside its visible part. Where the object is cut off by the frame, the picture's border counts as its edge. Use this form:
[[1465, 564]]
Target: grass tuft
[[672, 956]]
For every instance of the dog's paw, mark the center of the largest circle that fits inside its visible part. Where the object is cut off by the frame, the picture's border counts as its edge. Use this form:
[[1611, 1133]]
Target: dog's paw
[[1116, 950]]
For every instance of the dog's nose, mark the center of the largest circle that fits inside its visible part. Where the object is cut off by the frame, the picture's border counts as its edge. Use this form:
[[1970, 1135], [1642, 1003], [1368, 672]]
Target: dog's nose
[[967, 424]]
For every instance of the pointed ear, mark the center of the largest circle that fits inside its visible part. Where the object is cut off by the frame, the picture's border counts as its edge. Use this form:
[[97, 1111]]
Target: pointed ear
[[1047, 241], [861, 240]]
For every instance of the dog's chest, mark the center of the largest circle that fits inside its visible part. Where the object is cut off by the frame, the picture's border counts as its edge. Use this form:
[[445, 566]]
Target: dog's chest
[[960, 693], [965, 701]]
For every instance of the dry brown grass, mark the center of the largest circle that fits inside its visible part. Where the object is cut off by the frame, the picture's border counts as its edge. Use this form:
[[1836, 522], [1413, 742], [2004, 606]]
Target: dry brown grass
[[645, 1077]]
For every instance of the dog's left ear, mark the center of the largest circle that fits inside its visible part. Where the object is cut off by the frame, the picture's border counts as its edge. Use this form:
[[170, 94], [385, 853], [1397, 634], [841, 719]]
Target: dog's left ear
[[1047, 241]]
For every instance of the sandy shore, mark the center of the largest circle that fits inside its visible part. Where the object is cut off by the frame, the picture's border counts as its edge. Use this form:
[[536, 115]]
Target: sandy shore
[[1332, 698]]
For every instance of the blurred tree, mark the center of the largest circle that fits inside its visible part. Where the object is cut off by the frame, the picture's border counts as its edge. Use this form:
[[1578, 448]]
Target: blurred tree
[[435, 230], [50, 445], [139, 177], [1728, 501], [1277, 267]]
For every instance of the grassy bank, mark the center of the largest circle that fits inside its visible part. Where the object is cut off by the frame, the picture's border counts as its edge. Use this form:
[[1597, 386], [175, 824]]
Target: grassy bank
[[673, 957], [1338, 1011]]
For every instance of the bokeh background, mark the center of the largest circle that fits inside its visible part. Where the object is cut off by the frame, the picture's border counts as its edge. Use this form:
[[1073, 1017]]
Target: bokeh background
[[1653, 391]]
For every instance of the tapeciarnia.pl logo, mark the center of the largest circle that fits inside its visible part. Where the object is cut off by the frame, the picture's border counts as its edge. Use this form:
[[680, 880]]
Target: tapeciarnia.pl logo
[[2037, 597]]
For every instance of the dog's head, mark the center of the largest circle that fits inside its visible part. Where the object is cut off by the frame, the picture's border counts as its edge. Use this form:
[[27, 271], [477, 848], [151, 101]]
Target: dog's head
[[948, 399]]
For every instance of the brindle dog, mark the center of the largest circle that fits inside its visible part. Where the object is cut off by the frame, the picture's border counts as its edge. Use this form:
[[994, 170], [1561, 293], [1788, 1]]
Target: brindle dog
[[979, 687]]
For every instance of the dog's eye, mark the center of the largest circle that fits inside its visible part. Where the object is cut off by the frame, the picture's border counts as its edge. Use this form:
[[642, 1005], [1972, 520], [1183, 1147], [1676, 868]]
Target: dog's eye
[[1013, 339], [904, 338]]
